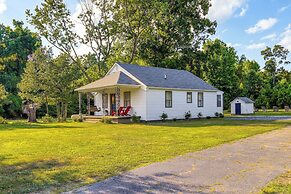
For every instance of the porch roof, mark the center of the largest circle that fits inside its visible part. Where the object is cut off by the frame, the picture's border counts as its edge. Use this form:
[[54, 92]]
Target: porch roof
[[114, 79]]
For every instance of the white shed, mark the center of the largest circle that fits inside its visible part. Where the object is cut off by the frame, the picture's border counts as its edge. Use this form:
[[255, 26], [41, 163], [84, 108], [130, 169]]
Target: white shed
[[242, 105]]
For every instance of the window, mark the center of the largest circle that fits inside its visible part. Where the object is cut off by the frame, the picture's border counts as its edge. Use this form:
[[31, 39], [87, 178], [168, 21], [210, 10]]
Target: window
[[189, 97], [127, 99], [200, 99], [104, 100], [168, 99], [218, 100]]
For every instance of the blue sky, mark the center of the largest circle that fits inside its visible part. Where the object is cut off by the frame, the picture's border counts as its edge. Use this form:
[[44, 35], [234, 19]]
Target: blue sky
[[247, 25]]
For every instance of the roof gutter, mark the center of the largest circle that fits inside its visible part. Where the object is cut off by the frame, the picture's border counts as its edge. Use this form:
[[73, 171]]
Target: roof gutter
[[183, 89]]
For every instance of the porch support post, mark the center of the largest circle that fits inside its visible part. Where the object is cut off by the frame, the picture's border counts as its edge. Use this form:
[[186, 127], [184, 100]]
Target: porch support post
[[80, 104], [117, 96], [88, 104]]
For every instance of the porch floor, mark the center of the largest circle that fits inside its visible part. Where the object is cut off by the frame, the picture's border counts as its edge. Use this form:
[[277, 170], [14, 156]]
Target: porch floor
[[115, 119]]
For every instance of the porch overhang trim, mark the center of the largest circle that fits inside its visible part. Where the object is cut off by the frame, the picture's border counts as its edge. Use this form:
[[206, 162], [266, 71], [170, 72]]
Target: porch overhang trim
[[96, 89]]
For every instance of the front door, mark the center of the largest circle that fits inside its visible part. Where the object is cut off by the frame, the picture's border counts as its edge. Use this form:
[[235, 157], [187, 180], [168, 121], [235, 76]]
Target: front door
[[237, 108], [112, 103]]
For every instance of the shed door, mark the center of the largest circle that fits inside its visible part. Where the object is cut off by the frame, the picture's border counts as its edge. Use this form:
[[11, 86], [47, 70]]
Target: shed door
[[237, 108]]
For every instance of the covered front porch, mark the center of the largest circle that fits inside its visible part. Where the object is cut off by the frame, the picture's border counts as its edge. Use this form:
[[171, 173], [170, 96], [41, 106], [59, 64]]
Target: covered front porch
[[112, 96]]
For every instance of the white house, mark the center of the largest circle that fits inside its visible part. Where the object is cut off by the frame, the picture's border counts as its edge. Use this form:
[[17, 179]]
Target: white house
[[242, 105], [151, 91]]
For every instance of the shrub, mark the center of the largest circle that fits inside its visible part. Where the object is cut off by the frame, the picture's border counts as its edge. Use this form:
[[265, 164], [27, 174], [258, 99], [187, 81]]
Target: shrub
[[47, 119], [77, 118], [106, 120], [135, 119], [164, 116], [216, 114], [199, 115], [174, 119], [208, 117], [2, 120], [187, 115], [221, 115]]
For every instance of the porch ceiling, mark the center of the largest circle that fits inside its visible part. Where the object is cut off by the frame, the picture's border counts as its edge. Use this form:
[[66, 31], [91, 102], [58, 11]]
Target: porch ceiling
[[109, 81]]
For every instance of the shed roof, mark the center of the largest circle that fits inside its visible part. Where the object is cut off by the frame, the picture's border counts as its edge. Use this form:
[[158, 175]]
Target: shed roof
[[166, 78], [244, 99], [114, 79]]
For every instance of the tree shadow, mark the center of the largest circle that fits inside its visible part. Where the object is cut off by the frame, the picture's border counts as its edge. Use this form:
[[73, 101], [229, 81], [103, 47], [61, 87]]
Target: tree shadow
[[14, 126], [27, 177], [132, 183]]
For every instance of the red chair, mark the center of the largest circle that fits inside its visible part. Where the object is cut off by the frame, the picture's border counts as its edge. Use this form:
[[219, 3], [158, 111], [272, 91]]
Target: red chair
[[126, 111], [120, 110]]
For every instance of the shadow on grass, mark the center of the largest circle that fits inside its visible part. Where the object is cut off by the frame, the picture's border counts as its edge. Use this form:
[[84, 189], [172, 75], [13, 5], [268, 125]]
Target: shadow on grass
[[131, 183], [23, 125], [32, 176]]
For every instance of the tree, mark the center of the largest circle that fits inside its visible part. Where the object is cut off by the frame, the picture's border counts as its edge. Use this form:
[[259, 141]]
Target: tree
[[44, 83], [61, 84], [160, 33], [2, 88], [251, 81], [16, 44], [274, 58], [178, 34], [219, 68], [135, 19], [53, 21], [33, 85]]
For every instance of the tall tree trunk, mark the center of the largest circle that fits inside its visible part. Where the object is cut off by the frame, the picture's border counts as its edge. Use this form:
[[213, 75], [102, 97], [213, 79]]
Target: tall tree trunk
[[65, 115], [31, 113], [58, 112], [134, 48], [46, 105]]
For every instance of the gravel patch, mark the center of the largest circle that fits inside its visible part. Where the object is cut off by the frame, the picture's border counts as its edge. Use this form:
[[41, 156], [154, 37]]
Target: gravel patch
[[262, 118]]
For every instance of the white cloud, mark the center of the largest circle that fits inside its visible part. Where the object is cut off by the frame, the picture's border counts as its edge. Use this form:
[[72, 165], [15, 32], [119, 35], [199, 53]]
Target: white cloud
[[3, 6], [243, 11], [262, 25], [284, 8], [286, 38], [223, 31], [224, 9], [233, 45], [256, 46], [79, 27], [269, 37]]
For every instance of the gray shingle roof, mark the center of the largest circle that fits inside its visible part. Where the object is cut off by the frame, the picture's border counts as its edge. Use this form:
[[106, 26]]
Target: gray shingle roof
[[117, 78], [245, 99], [155, 77]]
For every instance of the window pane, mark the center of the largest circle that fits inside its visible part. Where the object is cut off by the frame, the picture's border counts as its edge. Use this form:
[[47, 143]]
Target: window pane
[[127, 99], [200, 99], [218, 100], [189, 97], [168, 99]]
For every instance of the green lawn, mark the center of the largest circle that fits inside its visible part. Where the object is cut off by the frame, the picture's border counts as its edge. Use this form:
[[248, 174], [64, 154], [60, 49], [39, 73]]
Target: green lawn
[[282, 184], [60, 156]]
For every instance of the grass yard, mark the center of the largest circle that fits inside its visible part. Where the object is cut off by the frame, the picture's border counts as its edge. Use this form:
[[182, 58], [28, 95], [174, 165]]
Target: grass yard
[[62, 156], [281, 184]]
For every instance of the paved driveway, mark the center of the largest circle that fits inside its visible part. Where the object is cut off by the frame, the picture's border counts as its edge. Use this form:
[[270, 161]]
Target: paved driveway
[[262, 118], [240, 167]]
